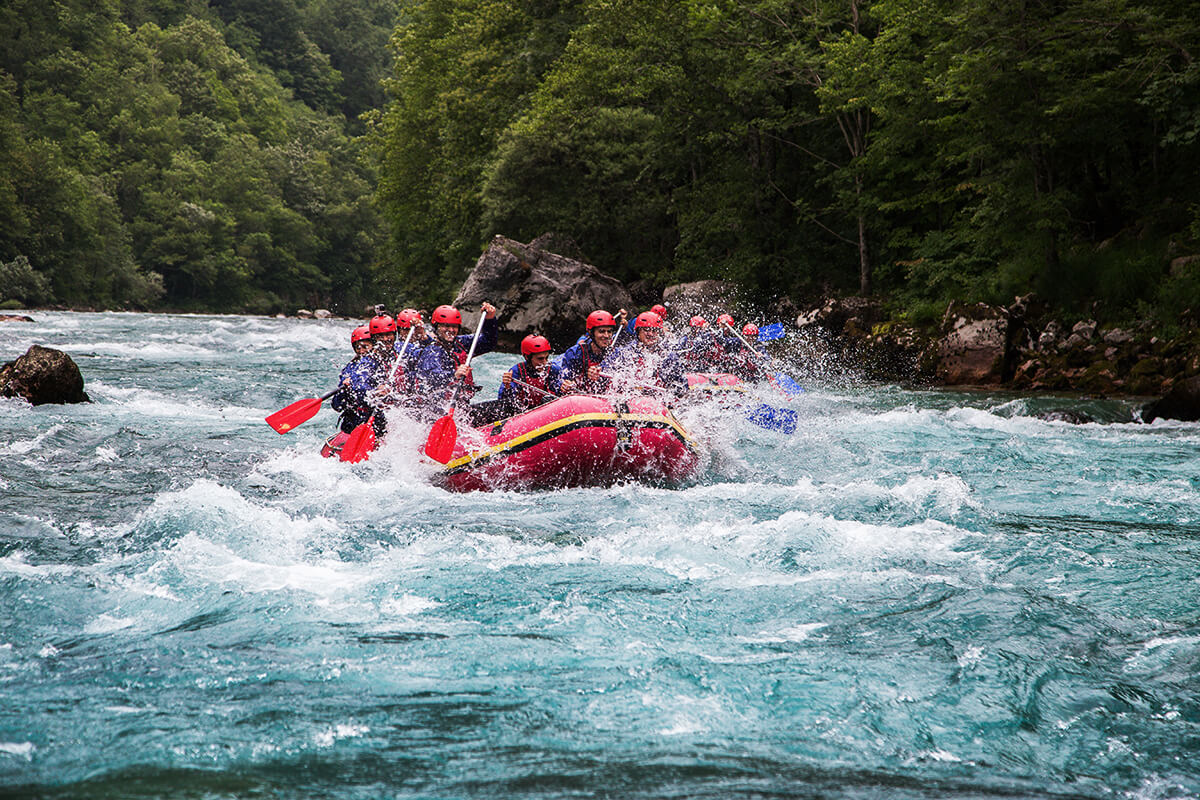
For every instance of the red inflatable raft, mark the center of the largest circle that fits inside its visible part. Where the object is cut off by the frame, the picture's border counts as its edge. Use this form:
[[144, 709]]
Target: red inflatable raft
[[574, 441]]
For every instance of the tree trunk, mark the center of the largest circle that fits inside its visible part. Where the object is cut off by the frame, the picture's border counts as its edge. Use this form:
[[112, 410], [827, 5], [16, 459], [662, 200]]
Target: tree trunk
[[864, 255]]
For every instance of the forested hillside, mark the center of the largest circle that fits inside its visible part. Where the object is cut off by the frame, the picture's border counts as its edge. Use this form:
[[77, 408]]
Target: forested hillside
[[222, 154], [188, 154], [920, 149]]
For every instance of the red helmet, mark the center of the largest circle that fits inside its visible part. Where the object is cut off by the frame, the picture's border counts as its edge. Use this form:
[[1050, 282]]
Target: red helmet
[[360, 334], [725, 319], [407, 318], [600, 319], [750, 331], [534, 344], [660, 309], [647, 319], [698, 322], [382, 324], [446, 315]]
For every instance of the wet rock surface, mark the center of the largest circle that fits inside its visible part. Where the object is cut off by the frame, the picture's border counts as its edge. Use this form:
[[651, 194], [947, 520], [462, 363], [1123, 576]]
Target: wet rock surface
[[536, 290], [43, 375]]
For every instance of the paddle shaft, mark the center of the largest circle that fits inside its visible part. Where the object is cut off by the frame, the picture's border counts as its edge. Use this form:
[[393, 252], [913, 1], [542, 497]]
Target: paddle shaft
[[535, 388], [738, 334], [470, 355], [399, 360]]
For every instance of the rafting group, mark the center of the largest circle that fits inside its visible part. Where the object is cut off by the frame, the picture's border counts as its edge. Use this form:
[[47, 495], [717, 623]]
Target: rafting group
[[597, 413]]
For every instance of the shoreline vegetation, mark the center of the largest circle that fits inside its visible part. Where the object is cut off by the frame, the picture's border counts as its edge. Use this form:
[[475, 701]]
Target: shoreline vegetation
[[257, 157]]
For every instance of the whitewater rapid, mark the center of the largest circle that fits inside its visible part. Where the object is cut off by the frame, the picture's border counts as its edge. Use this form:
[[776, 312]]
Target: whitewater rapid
[[917, 594]]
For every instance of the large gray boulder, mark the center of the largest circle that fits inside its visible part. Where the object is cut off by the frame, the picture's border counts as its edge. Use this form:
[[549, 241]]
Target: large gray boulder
[[974, 345], [536, 291], [1182, 402], [43, 375]]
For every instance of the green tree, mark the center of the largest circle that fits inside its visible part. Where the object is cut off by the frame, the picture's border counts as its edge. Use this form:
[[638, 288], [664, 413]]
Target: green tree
[[462, 74]]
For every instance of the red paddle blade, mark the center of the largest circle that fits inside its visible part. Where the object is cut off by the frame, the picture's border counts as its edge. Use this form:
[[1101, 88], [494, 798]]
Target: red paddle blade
[[360, 444], [440, 444], [297, 413]]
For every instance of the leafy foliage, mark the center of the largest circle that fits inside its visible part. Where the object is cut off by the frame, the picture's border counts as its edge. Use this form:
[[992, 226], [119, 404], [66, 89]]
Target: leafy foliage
[[927, 149], [185, 154]]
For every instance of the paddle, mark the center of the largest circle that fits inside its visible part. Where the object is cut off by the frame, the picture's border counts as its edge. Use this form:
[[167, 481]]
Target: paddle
[[773, 419], [778, 379], [361, 441], [769, 333], [444, 433], [298, 412]]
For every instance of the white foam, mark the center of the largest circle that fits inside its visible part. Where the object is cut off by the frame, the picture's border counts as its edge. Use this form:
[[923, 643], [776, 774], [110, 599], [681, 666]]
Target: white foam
[[106, 623], [329, 736], [15, 563], [23, 750], [407, 605], [792, 633], [157, 404], [23, 446]]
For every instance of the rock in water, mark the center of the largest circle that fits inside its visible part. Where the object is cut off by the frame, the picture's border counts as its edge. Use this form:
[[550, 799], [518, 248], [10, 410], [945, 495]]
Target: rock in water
[[538, 291], [1182, 403], [43, 375]]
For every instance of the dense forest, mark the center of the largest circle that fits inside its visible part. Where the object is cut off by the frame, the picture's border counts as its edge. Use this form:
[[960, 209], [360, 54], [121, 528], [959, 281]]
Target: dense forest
[[188, 154], [257, 154]]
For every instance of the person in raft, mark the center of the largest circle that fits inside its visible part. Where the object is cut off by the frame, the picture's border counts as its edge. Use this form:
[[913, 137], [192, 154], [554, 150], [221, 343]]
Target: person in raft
[[738, 359], [700, 350], [631, 326], [443, 362], [410, 340], [534, 370], [357, 380], [643, 364], [579, 368], [420, 340]]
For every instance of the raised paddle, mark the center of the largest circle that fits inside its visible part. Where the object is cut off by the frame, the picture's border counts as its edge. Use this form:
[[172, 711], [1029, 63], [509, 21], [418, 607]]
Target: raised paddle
[[399, 359], [444, 433], [299, 412], [361, 441]]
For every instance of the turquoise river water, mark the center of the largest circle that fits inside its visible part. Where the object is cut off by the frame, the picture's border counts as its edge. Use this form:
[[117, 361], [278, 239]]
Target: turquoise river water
[[918, 594]]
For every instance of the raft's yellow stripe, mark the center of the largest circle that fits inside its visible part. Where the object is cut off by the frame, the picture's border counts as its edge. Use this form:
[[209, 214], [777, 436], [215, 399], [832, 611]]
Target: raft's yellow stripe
[[477, 455]]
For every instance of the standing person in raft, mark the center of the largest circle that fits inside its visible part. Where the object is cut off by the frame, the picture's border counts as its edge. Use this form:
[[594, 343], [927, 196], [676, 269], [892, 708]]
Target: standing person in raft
[[357, 380], [579, 367], [443, 363]]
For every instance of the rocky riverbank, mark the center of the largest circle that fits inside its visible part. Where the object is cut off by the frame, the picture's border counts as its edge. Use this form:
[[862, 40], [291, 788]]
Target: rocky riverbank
[[1021, 347]]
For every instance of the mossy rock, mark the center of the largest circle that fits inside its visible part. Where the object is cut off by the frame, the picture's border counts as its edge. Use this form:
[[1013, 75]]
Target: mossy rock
[[1146, 367]]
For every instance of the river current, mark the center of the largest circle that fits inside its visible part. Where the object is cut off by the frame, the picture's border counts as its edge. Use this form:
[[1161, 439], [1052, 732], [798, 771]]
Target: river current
[[917, 594]]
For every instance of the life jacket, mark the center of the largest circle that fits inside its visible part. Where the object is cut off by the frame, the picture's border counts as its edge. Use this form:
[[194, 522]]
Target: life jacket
[[527, 397], [460, 357], [589, 360]]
